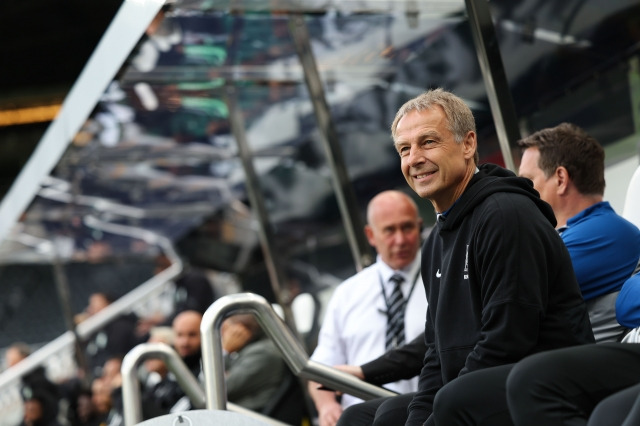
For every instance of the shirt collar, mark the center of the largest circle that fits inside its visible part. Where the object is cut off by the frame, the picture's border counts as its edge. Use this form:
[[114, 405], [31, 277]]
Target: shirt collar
[[407, 272], [587, 212]]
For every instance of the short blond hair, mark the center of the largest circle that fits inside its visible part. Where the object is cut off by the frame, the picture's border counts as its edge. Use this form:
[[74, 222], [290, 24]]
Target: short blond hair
[[459, 116]]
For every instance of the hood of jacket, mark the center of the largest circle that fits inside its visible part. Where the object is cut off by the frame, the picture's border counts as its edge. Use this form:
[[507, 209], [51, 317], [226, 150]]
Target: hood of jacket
[[491, 179]]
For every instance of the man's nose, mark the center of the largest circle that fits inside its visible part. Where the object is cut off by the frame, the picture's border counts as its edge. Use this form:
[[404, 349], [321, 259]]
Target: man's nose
[[398, 237], [416, 156]]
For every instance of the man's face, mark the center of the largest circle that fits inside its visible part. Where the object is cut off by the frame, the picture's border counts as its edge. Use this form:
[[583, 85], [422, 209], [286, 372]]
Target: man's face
[[186, 327], [529, 169], [85, 407], [111, 369], [394, 230], [101, 395], [97, 302], [12, 357], [32, 411], [157, 365], [435, 166]]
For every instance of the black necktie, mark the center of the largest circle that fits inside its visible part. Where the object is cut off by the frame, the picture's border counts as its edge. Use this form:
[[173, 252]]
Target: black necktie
[[395, 314]]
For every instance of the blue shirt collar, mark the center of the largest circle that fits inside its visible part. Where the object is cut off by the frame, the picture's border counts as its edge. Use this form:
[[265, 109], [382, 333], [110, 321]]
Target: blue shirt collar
[[602, 205]]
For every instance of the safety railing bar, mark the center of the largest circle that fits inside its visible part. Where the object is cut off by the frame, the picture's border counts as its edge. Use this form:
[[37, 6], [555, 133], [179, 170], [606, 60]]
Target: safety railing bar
[[132, 299], [131, 395], [35, 359], [291, 351], [336, 379], [144, 290], [106, 315], [86, 328]]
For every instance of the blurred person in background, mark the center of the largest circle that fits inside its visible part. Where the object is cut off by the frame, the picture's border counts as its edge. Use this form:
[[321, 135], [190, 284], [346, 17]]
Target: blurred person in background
[[380, 307], [116, 338], [254, 368], [34, 384]]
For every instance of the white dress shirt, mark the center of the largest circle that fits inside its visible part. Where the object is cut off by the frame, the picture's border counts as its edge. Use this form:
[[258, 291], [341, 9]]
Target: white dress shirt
[[354, 326]]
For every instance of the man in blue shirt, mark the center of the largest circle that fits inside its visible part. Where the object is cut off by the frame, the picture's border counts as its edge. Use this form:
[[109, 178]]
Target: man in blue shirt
[[628, 302], [566, 166]]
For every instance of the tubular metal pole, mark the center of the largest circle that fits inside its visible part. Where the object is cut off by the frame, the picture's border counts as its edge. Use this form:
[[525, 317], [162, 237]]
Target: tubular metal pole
[[62, 287], [131, 396], [265, 233], [347, 202], [124, 31], [291, 350], [495, 78]]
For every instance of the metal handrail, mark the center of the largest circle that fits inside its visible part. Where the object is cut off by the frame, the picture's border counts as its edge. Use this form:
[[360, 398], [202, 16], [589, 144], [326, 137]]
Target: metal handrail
[[86, 328], [131, 395], [291, 350], [94, 323], [106, 315], [39, 357]]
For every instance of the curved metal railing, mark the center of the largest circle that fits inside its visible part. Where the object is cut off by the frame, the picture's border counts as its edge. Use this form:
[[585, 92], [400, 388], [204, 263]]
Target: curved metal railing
[[215, 396], [132, 397], [291, 350]]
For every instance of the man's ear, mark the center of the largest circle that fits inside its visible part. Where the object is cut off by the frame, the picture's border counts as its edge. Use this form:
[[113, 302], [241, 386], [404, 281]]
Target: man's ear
[[369, 233], [562, 179], [470, 143]]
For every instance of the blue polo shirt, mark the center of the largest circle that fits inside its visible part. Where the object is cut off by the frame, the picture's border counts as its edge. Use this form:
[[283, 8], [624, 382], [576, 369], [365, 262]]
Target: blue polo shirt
[[604, 249], [628, 303]]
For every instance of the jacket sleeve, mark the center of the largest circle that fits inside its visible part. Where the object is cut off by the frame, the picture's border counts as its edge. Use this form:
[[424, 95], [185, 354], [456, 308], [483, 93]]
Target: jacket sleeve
[[628, 303], [401, 363]]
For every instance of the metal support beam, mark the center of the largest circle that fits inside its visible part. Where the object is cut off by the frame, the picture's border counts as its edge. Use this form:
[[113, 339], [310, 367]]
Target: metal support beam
[[265, 233], [495, 78], [64, 293], [116, 44], [347, 203]]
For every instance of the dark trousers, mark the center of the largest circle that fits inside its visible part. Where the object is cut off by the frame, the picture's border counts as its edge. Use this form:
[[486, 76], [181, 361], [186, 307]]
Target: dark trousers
[[390, 411], [620, 409], [595, 383], [477, 398]]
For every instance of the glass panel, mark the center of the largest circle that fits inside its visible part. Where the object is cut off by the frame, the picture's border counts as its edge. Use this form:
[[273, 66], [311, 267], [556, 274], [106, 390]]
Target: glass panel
[[158, 152], [569, 61]]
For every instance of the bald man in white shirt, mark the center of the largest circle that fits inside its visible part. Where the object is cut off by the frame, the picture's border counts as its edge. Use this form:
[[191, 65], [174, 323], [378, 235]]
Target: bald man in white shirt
[[354, 329]]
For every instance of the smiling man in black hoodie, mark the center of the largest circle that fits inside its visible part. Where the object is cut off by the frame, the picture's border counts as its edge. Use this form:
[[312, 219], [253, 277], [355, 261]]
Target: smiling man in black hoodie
[[498, 278]]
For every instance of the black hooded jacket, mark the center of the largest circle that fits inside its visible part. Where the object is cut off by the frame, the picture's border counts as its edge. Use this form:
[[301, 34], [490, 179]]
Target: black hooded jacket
[[499, 282]]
